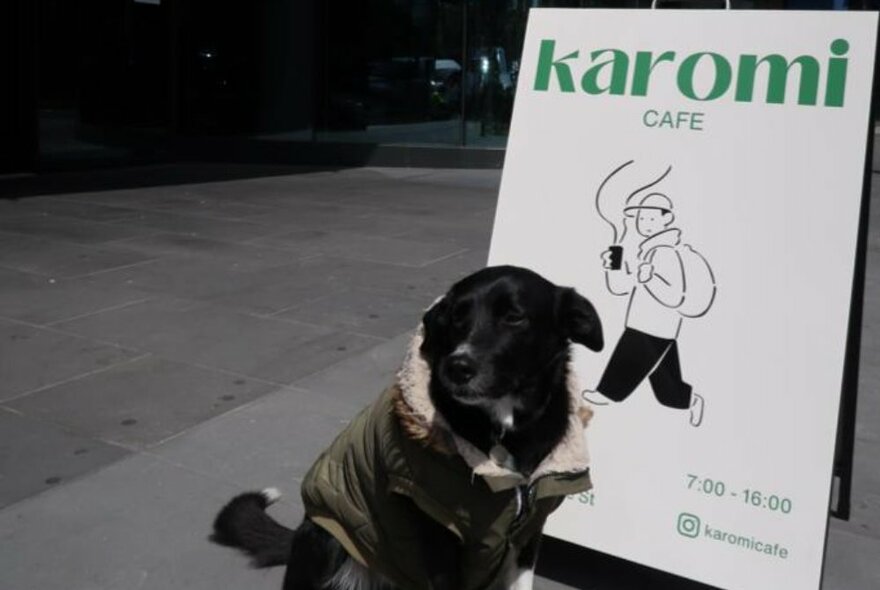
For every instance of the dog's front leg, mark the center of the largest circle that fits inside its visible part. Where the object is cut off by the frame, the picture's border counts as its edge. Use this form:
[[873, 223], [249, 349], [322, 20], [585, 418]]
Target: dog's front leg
[[525, 565], [525, 578]]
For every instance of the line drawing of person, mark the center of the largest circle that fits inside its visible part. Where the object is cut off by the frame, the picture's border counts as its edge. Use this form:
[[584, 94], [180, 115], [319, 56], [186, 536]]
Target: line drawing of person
[[667, 281]]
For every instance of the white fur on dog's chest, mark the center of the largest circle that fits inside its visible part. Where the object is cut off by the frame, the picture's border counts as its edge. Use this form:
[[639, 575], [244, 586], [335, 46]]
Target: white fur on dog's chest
[[502, 412], [525, 579]]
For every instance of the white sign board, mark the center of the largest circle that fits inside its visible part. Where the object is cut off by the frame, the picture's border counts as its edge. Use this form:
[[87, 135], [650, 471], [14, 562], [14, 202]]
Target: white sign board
[[698, 175]]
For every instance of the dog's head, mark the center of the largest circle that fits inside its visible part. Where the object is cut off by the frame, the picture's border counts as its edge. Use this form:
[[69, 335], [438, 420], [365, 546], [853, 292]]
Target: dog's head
[[500, 333]]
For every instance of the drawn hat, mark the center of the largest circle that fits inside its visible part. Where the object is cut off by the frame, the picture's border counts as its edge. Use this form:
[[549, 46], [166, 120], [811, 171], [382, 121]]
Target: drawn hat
[[652, 201]]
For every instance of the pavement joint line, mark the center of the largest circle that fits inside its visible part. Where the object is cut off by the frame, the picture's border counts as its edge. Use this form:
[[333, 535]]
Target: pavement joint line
[[332, 292], [330, 256], [55, 329], [202, 473], [397, 264], [200, 216], [447, 257], [255, 486], [99, 311], [140, 207], [366, 208], [29, 272], [116, 268], [76, 377], [196, 254], [152, 447], [122, 241], [67, 428], [254, 241], [332, 329], [298, 380], [90, 245], [36, 496], [250, 242], [220, 370], [146, 353], [330, 230]]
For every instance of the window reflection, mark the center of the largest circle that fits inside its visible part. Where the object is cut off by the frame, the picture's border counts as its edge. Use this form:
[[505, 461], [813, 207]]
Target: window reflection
[[392, 72], [424, 71]]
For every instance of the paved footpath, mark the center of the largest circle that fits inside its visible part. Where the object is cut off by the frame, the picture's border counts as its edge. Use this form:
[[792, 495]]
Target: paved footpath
[[168, 339]]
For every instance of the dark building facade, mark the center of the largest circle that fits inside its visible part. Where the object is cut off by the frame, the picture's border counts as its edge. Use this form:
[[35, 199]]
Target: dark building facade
[[428, 82]]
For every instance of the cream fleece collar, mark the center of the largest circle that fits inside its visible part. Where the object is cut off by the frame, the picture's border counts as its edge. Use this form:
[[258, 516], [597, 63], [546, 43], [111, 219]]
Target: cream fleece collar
[[570, 456]]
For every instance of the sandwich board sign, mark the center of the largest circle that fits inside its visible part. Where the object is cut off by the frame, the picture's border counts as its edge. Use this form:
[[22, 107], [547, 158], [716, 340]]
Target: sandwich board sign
[[698, 176]]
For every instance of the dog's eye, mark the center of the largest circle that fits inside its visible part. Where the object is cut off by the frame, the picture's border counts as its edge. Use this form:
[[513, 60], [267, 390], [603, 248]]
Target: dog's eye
[[459, 314], [515, 318]]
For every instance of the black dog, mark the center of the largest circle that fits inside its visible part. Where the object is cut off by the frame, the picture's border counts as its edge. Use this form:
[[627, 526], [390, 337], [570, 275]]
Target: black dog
[[446, 481]]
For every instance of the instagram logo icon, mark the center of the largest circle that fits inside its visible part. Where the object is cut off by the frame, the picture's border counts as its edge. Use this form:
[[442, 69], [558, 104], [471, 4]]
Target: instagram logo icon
[[688, 525]]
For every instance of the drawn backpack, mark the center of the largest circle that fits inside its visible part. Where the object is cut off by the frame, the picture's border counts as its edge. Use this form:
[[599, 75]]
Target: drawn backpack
[[699, 283]]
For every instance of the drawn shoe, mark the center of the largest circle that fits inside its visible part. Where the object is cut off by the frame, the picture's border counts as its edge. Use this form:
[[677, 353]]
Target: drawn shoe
[[594, 397], [697, 406]]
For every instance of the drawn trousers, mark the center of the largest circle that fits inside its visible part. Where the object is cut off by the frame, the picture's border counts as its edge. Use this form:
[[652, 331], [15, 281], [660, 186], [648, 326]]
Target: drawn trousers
[[639, 355]]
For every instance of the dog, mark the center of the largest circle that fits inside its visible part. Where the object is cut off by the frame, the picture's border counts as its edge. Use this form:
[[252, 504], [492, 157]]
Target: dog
[[446, 481]]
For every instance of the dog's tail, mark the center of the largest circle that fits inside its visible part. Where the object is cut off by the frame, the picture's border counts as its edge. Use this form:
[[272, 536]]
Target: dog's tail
[[244, 524]]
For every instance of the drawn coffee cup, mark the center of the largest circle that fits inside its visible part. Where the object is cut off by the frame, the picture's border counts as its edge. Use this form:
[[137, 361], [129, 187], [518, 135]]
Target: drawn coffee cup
[[616, 258]]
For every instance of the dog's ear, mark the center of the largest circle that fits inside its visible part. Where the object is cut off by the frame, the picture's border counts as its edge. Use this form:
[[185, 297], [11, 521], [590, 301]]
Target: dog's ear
[[434, 324], [578, 319]]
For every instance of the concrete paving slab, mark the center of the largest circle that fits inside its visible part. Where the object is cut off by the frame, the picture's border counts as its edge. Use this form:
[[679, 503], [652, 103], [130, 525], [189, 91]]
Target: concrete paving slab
[[460, 178], [230, 282], [69, 208], [865, 517], [243, 257], [364, 311], [295, 212], [472, 234], [281, 192], [265, 348], [866, 476], [71, 230], [272, 442], [186, 276], [139, 524], [851, 562], [142, 402], [198, 201], [160, 196], [361, 378], [272, 290], [36, 456], [428, 281], [202, 227], [361, 247], [357, 220], [42, 300], [419, 200], [52, 258], [33, 358], [78, 210], [868, 421]]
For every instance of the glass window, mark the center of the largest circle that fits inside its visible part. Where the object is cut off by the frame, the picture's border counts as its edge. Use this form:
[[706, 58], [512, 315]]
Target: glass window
[[391, 72]]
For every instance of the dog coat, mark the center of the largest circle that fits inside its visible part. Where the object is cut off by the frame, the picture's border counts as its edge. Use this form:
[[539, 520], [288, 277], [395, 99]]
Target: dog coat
[[399, 455]]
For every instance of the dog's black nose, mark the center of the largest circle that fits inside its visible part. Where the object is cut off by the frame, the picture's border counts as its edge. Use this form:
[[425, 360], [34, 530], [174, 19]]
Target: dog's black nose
[[461, 368]]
